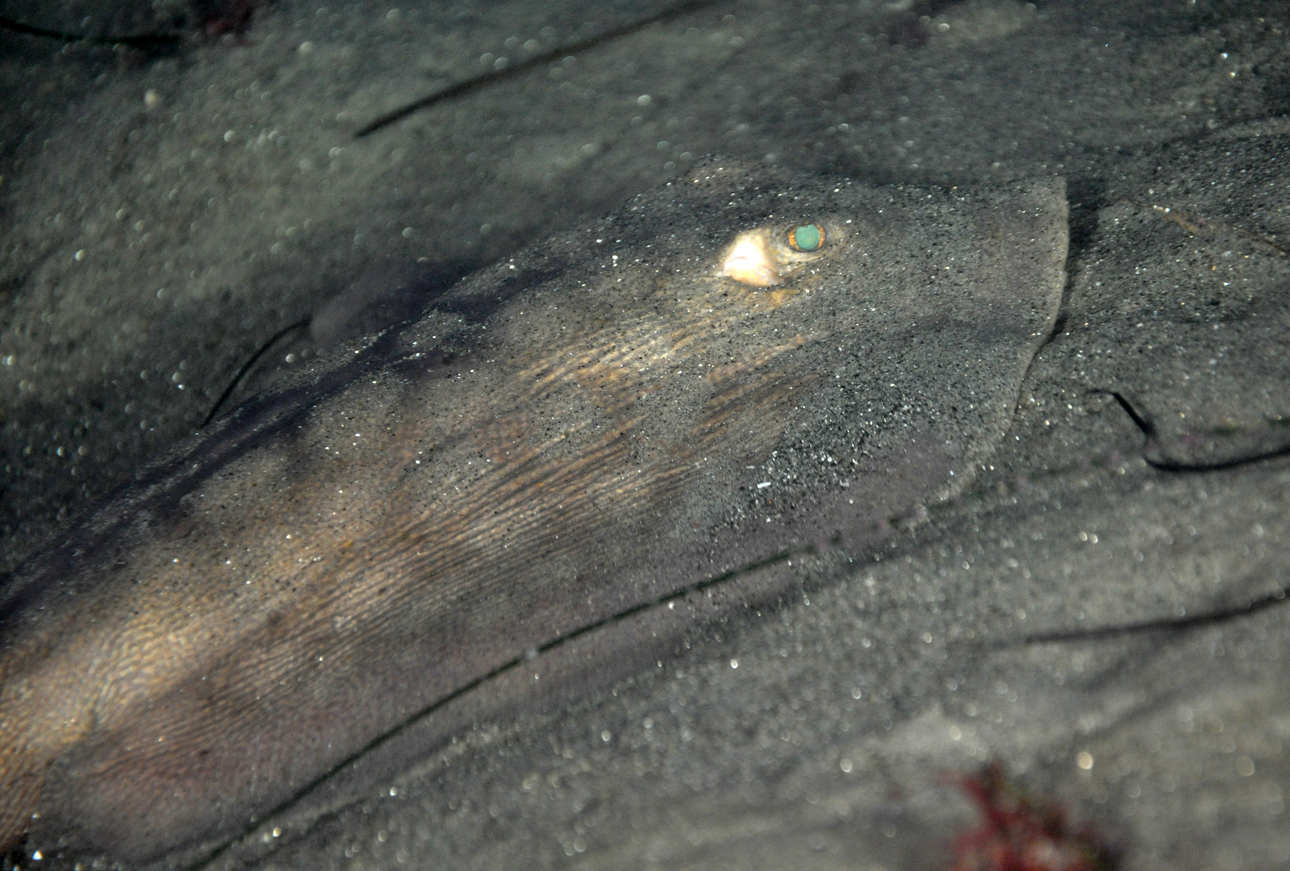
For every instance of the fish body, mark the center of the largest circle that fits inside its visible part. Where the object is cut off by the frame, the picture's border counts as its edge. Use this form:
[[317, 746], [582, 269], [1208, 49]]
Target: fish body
[[596, 424]]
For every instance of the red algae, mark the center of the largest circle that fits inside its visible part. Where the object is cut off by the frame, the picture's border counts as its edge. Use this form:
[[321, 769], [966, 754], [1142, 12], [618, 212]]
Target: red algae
[[1020, 831]]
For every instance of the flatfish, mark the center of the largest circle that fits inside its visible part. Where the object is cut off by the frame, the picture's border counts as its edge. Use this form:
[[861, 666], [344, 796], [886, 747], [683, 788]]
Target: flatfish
[[741, 363]]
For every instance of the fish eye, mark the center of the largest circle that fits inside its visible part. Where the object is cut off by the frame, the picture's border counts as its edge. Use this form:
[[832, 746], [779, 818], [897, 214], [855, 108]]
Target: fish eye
[[808, 238]]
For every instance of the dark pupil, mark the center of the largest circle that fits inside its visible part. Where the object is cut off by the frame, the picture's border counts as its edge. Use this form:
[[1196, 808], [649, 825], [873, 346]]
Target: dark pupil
[[807, 238]]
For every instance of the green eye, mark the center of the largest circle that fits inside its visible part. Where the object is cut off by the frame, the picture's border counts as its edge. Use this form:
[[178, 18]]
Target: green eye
[[808, 237]]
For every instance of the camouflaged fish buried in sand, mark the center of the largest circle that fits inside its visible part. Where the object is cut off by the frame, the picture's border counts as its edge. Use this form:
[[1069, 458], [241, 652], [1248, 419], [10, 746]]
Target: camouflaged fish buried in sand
[[599, 422]]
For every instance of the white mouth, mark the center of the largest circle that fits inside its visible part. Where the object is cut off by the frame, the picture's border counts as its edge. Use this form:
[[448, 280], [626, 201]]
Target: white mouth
[[747, 261]]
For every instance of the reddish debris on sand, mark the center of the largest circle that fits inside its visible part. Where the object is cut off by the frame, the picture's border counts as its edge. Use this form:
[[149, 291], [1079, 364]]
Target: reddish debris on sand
[[1021, 832]]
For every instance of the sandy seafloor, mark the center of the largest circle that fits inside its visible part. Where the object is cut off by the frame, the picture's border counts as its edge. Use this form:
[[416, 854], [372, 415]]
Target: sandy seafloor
[[161, 218]]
